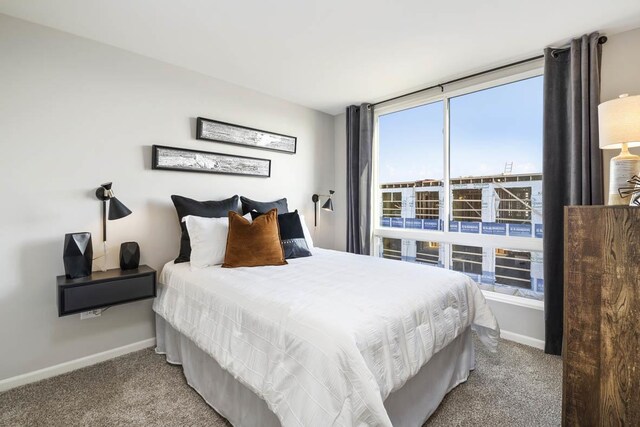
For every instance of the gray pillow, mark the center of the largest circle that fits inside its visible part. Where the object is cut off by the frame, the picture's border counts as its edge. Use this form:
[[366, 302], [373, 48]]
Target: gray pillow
[[209, 209], [249, 205]]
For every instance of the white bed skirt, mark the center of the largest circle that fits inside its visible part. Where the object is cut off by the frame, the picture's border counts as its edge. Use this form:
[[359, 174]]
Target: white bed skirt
[[410, 406]]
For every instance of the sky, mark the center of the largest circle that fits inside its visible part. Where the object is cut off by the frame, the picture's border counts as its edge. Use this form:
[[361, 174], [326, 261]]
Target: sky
[[488, 129]]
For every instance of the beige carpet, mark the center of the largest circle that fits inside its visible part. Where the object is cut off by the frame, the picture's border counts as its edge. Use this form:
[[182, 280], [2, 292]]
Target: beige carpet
[[518, 386]]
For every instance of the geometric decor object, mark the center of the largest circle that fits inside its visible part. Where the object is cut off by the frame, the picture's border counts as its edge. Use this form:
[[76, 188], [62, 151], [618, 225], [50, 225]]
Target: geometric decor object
[[182, 159], [129, 256], [213, 130], [633, 190], [77, 255]]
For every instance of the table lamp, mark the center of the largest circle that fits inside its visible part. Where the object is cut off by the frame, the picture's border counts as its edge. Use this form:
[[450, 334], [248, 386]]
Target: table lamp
[[619, 122]]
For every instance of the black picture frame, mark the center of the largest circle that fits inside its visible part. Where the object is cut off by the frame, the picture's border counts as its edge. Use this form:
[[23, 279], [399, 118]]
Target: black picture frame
[[160, 151], [217, 131]]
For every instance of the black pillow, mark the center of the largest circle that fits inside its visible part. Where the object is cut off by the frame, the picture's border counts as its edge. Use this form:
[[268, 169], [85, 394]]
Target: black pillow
[[291, 235], [209, 209], [249, 205]]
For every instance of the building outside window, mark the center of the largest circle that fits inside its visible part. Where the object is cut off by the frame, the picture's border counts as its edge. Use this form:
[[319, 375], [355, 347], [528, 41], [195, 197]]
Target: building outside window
[[392, 248], [467, 259], [467, 204], [459, 183], [428, 253], [428, 205], [392, 204], [513, 268]]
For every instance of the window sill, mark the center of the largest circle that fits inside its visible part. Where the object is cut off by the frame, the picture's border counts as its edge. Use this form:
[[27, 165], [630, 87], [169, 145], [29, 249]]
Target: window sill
[[513, 300]]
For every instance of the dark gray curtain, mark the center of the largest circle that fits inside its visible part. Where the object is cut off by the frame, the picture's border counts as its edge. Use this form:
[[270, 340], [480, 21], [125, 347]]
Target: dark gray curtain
[[572, 171], [359, 152]]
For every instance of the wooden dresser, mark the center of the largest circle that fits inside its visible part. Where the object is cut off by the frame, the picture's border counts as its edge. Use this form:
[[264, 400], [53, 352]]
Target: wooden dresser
[[601, 384]]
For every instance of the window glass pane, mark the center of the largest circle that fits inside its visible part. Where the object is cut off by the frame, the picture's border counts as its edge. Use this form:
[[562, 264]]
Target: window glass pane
[[495, 185], [496, 160], [411, 167]]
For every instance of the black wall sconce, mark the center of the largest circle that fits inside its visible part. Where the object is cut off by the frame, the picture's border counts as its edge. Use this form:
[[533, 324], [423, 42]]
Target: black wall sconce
[[117, 210], [327, 206]]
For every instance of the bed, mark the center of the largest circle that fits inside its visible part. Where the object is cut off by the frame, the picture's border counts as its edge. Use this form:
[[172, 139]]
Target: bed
[[331, 339]]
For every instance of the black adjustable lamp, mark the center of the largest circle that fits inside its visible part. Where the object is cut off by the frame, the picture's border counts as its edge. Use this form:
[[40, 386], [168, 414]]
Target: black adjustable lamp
[[117, 210], [327, 206]]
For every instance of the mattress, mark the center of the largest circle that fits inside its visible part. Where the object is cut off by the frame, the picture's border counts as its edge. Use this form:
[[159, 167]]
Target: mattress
[[326, 339]]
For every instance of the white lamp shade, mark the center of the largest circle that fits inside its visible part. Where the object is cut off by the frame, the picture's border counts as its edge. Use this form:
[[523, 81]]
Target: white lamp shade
[[619, 122]]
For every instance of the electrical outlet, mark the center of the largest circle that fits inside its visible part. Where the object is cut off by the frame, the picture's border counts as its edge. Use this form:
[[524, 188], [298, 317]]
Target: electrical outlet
[[90, 314]]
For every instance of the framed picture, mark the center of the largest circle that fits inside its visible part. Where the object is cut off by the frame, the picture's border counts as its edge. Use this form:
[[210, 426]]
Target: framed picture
[[212, 130], [182, 159]]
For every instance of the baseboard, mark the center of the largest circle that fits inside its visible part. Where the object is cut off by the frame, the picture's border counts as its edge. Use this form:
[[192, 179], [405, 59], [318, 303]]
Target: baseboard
[[72, 365], [522, 339], [82, 362]]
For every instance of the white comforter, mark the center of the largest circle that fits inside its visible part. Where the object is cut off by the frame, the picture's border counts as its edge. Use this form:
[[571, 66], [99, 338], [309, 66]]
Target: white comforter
[[325, 339]]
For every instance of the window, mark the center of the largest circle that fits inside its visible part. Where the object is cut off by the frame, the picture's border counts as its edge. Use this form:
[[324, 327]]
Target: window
[[392, 248], [430, 253], [459, 183], [467, 259], [410, 185], [514, 205], [428, 205], [513, 268], [391, 204], [467, 205]]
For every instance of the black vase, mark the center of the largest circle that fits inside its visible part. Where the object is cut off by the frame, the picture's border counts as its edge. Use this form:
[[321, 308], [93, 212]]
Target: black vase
[[77, 255], [129, 256]]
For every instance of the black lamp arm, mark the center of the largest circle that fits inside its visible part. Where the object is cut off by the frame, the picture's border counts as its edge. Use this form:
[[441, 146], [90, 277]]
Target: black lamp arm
[[104, 193], [104, 220], [315, 199]]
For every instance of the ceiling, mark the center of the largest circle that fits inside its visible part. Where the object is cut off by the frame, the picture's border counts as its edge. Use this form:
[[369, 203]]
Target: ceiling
[[327, 54]]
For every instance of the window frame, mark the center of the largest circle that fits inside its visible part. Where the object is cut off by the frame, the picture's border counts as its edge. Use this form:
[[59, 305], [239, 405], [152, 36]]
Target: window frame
[[533, 69]]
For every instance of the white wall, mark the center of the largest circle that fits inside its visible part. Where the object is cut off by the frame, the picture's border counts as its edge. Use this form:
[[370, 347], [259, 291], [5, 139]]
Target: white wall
[[75, 113], [620, 74]]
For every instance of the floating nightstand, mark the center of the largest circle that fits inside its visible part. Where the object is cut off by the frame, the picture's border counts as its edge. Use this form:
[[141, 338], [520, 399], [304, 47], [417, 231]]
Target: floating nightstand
[[105, 288]]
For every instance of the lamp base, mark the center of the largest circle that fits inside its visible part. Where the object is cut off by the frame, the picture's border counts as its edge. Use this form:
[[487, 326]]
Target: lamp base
[[621, 168]]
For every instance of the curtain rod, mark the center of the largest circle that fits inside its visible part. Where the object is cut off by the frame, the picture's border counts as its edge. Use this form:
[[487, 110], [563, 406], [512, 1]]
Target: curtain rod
[[601, 40]]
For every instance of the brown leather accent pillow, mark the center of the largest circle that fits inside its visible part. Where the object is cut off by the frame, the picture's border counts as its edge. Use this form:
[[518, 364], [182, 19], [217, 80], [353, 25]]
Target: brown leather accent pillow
[[253, 244]]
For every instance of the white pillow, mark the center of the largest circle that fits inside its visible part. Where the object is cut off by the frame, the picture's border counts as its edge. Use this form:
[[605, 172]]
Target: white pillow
[[208, 238], [305, 230]]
